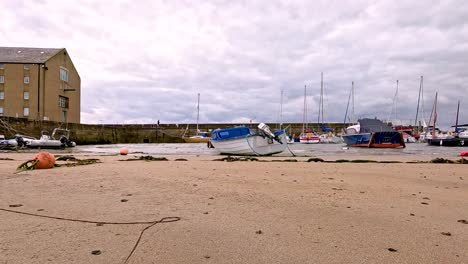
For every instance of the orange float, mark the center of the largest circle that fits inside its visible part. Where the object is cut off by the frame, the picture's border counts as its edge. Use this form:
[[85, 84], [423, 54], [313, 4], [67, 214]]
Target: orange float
[[123, 151], [45, 160]]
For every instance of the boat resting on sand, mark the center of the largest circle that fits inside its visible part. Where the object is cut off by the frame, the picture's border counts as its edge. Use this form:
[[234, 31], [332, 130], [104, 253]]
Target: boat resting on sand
[[373, 133], [242, 140], [49, 142]]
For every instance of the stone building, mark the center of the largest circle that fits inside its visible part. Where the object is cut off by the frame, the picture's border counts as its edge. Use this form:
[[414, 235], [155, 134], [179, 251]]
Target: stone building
[[39, 84]]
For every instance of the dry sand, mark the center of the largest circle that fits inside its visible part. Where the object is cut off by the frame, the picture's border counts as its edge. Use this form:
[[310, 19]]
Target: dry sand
[[235, 212]]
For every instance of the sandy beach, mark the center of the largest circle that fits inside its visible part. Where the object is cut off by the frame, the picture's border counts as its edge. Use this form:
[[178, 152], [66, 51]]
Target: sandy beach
[[235, 212]]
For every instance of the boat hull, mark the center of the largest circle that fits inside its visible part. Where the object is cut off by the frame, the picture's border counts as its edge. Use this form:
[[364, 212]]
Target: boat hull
[[448, 142], [250, 145], [8, 144], [45, 144], [196, 139], [375, 140]]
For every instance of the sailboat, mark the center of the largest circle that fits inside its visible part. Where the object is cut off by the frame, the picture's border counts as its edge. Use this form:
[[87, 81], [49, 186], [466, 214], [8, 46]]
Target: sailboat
[[420, 127], [200, 137], [406, 131], [370, 133], [434, 138], [307, 136], [327, 135]]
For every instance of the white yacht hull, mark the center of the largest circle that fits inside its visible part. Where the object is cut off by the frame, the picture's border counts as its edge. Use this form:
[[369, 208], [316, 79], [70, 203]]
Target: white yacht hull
[[254, 145]]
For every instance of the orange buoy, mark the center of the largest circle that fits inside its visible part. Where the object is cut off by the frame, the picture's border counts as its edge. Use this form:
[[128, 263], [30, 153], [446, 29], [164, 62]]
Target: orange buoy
[[123, 151], [464, 154], [45, 160]]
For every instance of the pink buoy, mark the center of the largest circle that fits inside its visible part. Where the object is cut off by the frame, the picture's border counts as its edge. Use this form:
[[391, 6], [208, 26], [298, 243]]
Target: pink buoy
[[123, 151], [464, 153]]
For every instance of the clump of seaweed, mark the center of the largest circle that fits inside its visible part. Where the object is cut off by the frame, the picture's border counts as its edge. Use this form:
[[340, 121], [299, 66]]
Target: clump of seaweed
[[73, 161], [285, 160], [231, 159], [147, 158], [315, 160]]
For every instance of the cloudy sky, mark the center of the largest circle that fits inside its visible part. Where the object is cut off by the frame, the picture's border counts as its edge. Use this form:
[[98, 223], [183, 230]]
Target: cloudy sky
[[143, 61]]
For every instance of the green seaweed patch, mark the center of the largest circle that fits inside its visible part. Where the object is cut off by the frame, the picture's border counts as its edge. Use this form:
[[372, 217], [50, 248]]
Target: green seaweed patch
[[232, 159], [6, 159], [65, 158], [72, 161], [342, 160], [363, 161], [285, 160], [79, 162], [447, 161], [390, 161], [147, 158], [315, 160]]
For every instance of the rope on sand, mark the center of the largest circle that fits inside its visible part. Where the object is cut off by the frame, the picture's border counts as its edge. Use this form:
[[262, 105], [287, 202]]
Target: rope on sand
[[151, 224]]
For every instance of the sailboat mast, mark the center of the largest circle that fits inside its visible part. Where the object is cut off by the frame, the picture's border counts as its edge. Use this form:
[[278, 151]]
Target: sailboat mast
[[396, 102], [456, 122], [347, 107], [352, 94], [321, 101], [419, 98], [198, 110], [435, 117], [281, 110], [304, 115]]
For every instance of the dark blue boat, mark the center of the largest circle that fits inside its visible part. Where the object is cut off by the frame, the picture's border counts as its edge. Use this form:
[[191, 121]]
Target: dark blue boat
[[373, 133]]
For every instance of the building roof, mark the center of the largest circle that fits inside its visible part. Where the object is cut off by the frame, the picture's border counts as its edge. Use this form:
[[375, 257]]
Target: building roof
[[26, 55]]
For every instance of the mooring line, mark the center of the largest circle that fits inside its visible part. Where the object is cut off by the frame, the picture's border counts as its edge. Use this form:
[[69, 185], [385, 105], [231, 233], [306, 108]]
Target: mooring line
[[151, 224]]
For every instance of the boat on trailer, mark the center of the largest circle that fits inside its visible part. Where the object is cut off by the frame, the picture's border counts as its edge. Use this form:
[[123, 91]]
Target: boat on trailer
[[242, 140], [373, 133]]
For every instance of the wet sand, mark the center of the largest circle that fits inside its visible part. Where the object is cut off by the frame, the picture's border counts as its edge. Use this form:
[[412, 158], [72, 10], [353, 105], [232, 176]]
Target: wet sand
[[235, 212]]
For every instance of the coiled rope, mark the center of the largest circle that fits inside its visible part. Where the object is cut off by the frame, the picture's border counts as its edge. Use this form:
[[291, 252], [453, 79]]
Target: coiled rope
[[151, 224]]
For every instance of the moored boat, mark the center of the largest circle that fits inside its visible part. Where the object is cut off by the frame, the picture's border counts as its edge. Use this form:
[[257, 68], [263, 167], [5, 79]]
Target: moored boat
[[200, 137], [8, 143], [373, 133], [242, 140], [309, 137], [47, 141]]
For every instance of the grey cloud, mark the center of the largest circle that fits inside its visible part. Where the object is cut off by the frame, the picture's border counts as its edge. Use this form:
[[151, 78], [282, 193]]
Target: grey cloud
[[154, 57]]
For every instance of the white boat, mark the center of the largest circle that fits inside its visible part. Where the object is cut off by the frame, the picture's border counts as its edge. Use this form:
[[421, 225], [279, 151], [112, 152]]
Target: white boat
[[330, 138], [200, 137], [9, 143], [463, 133], [242, 140], [47, 141]]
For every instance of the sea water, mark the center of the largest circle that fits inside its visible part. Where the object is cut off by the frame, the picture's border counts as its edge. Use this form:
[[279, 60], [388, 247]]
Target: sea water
[[310, 150]]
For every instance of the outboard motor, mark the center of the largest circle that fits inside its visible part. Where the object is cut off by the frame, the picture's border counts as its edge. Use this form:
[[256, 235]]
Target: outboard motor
[[265, 129], [21, 142], [66, 142]]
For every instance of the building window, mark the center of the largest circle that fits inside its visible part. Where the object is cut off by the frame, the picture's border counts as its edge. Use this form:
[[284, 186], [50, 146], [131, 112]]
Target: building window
[[2, 79], [26, 111], [26, 95], [2, 66], [63, 74], [1, 111], [64, 116], [26, 79], [26, 66], [2, 95], [63, 102]]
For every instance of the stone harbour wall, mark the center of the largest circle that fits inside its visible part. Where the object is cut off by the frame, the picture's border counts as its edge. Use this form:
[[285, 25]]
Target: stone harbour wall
[[86, 134]]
